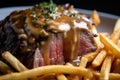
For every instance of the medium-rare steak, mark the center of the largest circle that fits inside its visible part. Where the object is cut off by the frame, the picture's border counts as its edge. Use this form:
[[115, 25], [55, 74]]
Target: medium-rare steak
[[46, 34]]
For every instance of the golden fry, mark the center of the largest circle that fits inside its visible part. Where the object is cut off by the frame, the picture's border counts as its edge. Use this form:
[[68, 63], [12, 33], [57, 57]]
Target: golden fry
[[115, 67], [116, 32], [72, 77], [117, 25], [112, 76], [105, 69], [99, 58], [110, 45], [118, 43], [14, 61], [47, 70], [106, 34], [96, 39], [61, 77], [4, 68], [83, 62], [95, 17], [68, 64], [90, 56]]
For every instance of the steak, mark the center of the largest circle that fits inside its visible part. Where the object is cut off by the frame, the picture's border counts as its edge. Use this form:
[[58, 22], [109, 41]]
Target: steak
[[45, 36]]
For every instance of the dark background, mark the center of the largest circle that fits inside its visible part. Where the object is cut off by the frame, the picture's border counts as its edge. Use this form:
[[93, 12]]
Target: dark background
[[107, 6]]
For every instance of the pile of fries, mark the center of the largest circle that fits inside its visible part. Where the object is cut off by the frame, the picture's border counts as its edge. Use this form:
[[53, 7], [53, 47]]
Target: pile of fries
[[102, 64]]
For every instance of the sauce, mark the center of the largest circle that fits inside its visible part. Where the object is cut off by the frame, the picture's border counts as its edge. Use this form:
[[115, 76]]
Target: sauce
[[39, 23]]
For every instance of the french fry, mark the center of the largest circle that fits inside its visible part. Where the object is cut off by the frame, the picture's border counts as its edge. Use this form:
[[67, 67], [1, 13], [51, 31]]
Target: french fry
[[13, 61], [69, 64], [116, 35], [99, 58], [116, 32], [115, 68], [83, 62], [110, 45], [95, 17], [90, 56], [117, 25], [47, 70], [118, 43], [106, 34], [96, 39], [4, 68], [112, 76], [105, 69], [72, 77], [61, 77]]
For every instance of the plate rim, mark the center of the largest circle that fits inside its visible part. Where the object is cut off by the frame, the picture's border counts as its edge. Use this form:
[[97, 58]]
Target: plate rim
[[87, 11]]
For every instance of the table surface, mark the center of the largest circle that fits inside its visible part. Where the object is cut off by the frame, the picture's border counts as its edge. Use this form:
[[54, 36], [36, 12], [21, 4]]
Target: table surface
[[107, 6]]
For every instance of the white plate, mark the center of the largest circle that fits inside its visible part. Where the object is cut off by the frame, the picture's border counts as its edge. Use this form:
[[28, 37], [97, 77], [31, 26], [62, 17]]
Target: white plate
[[107, 20]]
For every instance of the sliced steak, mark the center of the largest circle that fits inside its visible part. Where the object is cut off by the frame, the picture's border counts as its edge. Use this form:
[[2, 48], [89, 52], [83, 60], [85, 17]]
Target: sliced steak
[[38, 59], [40, 36], [87, 43], [52, 49], [78, 43]]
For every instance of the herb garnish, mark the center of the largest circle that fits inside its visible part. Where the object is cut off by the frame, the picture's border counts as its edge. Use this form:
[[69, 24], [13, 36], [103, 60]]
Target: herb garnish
[[47, 9]]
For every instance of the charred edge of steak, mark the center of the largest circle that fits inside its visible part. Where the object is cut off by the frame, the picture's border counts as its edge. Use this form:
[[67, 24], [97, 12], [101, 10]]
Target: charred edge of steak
[[9, 40]]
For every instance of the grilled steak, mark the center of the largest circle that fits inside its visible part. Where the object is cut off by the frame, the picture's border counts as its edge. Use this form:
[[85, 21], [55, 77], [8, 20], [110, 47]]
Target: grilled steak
[[46, 34]]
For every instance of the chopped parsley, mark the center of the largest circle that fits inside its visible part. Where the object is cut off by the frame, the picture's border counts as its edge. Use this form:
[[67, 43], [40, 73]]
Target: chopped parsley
[[47, 9]]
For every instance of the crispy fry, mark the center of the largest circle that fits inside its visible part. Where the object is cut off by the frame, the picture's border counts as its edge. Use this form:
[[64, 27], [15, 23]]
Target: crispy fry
[[115, 67], [46, 70], [4, 68], [83, 62], [118, 43], [61, 77], [105, 69], [92, 55], [116, 35], [99, 58], [112, 76], [106, 34], [96, 39], [110, 45], [69, 64], [117, 25], [14, 61], [95, 17], [72, 77]]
